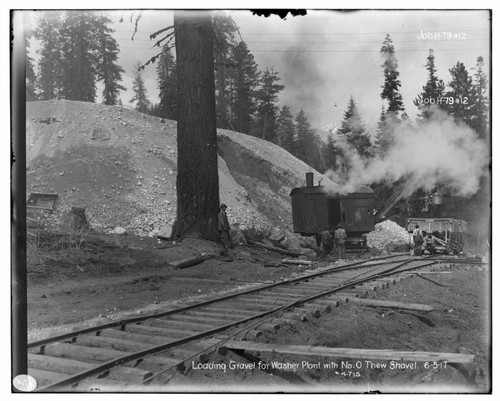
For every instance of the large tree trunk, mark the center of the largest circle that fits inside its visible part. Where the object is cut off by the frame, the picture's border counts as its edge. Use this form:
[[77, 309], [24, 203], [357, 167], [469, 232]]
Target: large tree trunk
[[197, 173]]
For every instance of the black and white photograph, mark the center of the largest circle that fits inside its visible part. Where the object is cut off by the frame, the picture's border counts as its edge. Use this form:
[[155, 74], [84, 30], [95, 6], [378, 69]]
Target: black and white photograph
[[251, 201]]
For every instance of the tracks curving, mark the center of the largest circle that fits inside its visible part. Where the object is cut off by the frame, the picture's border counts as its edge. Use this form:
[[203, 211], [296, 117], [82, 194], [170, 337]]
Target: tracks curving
[[140, 350]]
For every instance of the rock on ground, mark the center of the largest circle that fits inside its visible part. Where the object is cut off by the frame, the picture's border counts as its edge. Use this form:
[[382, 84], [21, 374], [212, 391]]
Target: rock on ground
[[387, 233]]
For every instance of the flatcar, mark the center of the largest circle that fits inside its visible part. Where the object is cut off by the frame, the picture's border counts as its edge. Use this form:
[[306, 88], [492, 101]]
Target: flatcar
[[315, 208], [449, 234]]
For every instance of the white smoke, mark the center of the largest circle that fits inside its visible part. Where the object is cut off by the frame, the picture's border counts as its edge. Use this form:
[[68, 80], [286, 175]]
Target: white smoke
[[437, 152]]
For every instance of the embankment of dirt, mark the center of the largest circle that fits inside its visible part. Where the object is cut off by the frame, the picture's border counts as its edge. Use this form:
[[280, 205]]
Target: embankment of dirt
[[120, 165]]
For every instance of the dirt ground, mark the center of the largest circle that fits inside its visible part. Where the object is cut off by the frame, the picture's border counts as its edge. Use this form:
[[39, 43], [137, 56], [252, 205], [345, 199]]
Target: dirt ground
[[110, 277], [107, 277], [459, 323]]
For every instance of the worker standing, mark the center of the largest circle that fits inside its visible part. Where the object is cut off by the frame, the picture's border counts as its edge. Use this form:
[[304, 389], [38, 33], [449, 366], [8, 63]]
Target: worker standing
[[326, 241], [418, 240], [340, 237], [428, 244], [224, 228]]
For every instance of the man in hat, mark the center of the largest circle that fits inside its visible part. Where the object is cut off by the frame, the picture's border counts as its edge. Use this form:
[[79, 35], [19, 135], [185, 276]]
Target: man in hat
[[418, 240], [224, 228], [428, 244], [326, 241], [340, 236]]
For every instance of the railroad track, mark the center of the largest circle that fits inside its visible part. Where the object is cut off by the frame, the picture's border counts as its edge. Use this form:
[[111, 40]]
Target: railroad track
[[142, 350]]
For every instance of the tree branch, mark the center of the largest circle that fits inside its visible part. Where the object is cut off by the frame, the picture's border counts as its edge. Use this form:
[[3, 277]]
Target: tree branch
[[136, 24], [153, 59], [170, 35], [155, 34]]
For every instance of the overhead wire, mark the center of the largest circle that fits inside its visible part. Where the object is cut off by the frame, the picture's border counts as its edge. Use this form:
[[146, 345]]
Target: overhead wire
[[362, 75], [454, 29], [425, 42], [399, 50], [356, 51], [371, 42], [335, 50]]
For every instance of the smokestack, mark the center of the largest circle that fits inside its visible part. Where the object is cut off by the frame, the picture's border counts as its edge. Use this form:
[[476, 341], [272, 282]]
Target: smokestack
[[436, 199], [310, 179]]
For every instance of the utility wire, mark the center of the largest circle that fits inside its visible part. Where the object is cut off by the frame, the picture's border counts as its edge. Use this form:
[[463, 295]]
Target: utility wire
[[454, 29], [359, 51], [366, 72], [372, 42], [328, 51], [326, 42]]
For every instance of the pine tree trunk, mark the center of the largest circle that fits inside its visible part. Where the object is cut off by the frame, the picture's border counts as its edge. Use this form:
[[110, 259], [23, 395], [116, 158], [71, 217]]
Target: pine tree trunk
[[265, 126], [197, 173]]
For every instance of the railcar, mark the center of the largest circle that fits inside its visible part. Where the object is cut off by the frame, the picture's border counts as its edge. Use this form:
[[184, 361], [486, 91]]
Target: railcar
[[449, 234]]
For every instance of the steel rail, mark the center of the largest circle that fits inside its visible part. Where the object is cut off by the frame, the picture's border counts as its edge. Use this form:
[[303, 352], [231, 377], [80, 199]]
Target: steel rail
[[163, 347], [461, 261], [347, 284], [125, 322]]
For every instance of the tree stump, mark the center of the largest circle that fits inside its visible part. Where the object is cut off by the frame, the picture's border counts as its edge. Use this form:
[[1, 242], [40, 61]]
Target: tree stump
[[78, 219]]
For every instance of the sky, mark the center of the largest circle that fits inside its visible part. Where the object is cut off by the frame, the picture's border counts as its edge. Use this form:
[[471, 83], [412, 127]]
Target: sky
[[328, 56]]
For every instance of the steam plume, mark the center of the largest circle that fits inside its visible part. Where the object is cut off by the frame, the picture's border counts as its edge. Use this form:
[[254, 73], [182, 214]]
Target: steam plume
[[436, 152]]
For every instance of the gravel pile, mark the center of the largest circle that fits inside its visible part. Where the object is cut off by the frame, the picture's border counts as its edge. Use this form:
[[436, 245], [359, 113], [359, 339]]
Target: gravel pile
[[387, 233], [121, 167]]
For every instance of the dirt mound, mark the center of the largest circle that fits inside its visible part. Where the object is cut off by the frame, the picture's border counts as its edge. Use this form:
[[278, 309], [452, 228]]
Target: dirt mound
[[121, 165]]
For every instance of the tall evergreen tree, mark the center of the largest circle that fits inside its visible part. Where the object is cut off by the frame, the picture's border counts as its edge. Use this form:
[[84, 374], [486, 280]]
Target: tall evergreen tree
[[480, 103], [307, 142], [245, 79], [432, 92], [108, 71], [353, 129], [480, 203], [167, 84], [197, 173], [140, 92], [390, 89], [49, 64], [171, 101], [30, 75], [154, 110], [164, 67], [330, 154], [267, 98], [224, 41], [285, 130], [79, 46], [461, 95], [77, 49], [384, 135]]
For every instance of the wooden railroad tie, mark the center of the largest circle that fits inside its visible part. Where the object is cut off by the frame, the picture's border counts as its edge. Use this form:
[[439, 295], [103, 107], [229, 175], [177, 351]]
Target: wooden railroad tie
[[430, 272], [297, 262], [190, 261], [71, 367], [349, 353], [348, 298]]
